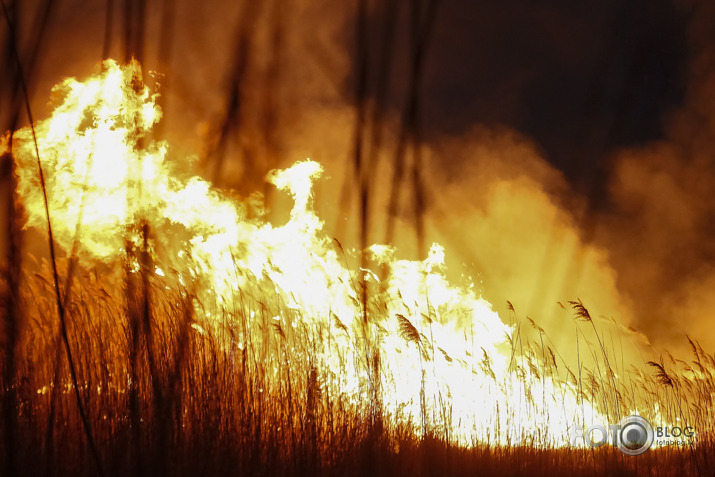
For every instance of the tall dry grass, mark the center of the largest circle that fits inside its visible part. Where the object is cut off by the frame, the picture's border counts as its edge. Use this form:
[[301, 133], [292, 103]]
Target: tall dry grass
[[126, 381], [250, 397]]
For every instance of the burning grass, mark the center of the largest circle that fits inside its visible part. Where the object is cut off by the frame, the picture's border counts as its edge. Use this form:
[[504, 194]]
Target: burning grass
[[201, 339], [186, 403]]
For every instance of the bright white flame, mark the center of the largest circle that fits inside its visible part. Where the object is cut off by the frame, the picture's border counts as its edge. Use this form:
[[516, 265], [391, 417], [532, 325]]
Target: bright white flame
[[442, 348]]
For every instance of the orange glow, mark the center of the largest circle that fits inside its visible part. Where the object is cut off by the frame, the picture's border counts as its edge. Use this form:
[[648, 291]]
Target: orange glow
[[442, 348]]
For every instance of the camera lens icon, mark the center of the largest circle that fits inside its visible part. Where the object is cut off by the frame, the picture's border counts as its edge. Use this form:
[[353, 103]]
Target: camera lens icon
[[635, 435]]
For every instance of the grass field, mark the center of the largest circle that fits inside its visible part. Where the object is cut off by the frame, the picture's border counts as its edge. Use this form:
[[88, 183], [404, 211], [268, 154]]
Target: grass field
[[169, 333], [170, 400]]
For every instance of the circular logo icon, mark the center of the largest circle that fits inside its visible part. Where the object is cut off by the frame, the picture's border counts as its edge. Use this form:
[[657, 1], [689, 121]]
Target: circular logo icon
[[635, 435]]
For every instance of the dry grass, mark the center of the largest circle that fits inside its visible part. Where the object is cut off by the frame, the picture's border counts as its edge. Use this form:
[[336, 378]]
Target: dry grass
[[249, 397], [165, 395]]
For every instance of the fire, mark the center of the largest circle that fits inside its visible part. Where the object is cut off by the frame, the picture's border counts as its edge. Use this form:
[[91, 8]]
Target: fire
[[446, 359]]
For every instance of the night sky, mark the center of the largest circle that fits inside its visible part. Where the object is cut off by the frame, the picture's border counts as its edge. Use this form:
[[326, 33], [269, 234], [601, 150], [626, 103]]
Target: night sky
[[581, 78]]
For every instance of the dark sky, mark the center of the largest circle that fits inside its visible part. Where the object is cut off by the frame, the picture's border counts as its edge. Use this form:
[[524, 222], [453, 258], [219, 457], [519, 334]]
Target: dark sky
[[584, 81], [580, 78]]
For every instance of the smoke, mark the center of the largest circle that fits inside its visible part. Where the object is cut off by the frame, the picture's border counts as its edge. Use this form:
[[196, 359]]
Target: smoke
[[646, 258], [508, 217], [661, 223]]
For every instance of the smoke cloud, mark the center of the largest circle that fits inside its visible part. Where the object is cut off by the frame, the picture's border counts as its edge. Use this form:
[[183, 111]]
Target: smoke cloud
[[660, 227], [500, 193]]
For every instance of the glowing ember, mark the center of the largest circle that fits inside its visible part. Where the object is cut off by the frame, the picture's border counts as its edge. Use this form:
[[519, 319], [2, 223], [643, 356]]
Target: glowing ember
[[441, 348]]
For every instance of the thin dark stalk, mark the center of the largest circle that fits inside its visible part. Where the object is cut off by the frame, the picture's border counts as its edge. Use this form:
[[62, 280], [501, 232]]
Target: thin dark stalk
[[72, 266], [108, 20], [361, 65], [381, 90], [271, 91], [133, 342], [11, 328], [421, 25], [39, 29], [234, 109], [12, 275], [55, 275], [134, 20], [166, 43]]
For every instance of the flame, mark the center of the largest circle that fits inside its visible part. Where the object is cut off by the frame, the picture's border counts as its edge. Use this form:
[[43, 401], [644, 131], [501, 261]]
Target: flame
[[446, 359]]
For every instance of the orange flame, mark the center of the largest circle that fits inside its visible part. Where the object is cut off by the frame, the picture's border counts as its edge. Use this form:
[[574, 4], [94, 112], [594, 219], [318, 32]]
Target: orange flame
[[442, 348]]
